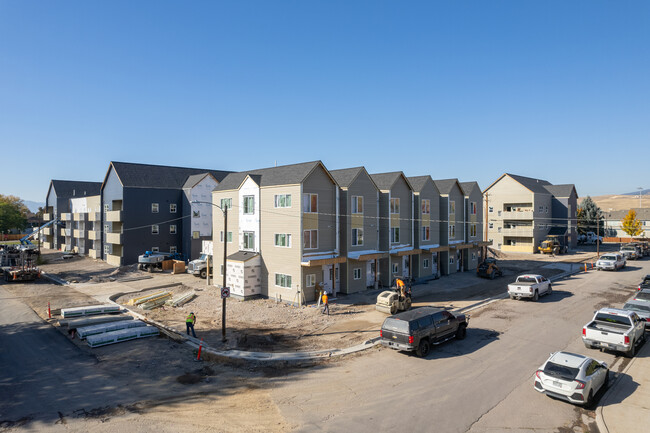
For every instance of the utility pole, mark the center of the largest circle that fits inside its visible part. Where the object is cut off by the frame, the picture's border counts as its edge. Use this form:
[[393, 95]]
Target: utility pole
[[597, 233], [225, 252], [640, 192]]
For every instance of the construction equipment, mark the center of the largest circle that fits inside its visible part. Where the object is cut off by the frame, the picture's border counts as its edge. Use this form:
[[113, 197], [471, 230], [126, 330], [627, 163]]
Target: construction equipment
[[20, 266], [392, 301], [25, 240], [151, 260], [553, 245], [488, 268]]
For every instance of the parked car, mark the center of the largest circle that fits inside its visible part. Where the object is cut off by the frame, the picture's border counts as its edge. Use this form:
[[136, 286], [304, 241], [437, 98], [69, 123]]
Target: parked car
[[641, 308], [616, 329], [611, 262], [419, 328], [642, 295], [589, 238], [529, 286], [630, 252], [571, 377], [645, 283]]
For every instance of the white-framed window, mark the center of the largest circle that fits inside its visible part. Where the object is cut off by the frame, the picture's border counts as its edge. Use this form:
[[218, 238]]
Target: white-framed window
[[310, 203], [357, 204], [107, 249], [490, 209], [452, 231], [472, 208], [154, 207], [452, 207], [541, 209], [196, 214], [310, 280], [106, 207], [394, 206], [472, 230], [249, 240], [107, 228], [357, 237], [283, 240], [229, 236], [249, 204], [172, 229], [172, 207], [426, 233], [283, 280], [310, 239], [451, 260], [173, 249], [395, 268], [226, 203], [394, 235], [282, 200], [491, 225], [425, 263], [155, 229], [473, 256], [426, 206], [356, 273], [196, 234], [155, 249]]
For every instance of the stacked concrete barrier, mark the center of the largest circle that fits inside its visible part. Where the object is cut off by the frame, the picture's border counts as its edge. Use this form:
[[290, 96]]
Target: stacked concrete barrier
[[89, 310], [121, 335], [108, 327], [93, 320]]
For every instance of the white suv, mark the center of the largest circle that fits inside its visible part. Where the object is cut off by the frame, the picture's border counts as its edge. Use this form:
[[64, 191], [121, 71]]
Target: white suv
[[611, 262], [571, 377]]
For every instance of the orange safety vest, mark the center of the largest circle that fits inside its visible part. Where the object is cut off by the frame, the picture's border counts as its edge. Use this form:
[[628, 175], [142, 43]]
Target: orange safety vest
[[399, 283], [324, 298]]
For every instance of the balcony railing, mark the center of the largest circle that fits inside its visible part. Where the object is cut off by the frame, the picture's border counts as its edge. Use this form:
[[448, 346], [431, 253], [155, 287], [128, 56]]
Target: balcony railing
[[525, 232], [94, 235], [94, 216], [517, 215], [47, 217], [67, 216], [95, 254], [113, 260], [114, 238], [66, 232], [114, 216], [80, 216], [79, 233], [47, 231]]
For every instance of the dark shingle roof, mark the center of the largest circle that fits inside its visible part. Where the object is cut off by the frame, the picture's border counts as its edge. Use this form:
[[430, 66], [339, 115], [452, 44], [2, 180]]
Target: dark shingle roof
[[561, 190], [446, 185], [418, 182], [73, 188], [345, 176], [158, 176], [242, 256], [557, 231], [282, 175], [386, 181], [642, 214], [194, 179], [535, 185], [469, 186]]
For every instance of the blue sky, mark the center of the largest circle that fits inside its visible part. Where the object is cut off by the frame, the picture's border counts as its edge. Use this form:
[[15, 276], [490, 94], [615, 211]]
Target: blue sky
[[558, 90]]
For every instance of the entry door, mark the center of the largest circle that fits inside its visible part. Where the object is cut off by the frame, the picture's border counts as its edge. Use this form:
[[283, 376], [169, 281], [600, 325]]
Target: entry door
[[327, 278], [434, 264], [459, 255], [405, 266], [370, 273]]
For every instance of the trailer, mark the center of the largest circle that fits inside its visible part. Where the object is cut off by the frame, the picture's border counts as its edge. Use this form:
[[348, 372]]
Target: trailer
[[151, 260]]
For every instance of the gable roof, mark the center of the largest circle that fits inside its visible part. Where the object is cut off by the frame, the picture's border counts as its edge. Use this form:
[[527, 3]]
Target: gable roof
[[157, 176], [292, 174], [385, 181], [418, 183], [345, 176], [530, 183], [73, 188], [562, 190], [195, 179], [446, 185], [642, 214], [467, 187]]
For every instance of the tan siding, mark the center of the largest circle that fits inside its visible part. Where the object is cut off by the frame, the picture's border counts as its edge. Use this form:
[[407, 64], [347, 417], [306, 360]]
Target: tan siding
[[319, 182]]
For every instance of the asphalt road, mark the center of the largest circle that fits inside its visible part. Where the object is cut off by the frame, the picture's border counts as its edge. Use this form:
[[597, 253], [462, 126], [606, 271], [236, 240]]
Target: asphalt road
[[481, 384]]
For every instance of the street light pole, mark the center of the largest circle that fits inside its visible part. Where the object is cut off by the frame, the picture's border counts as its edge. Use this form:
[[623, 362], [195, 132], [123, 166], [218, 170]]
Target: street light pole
[[640, 191]]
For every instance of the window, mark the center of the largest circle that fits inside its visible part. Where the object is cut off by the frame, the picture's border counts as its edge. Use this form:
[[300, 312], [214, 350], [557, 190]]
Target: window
[[107, 228], [229, 236], [425, 263], [155, 249], [173, 249], [541, 209], [196, 235], [249, 240], [491, 225], [452, 207], [490, 209], [546, 209], [249, 205], [426, 207], [473, 256], [472, 208], [172, 229], [226, 203], [310, 280], [451, 260], [172, 208], [283, 280], [472, 230], [499, 229], [106, 208], [357, 237], [395, 268], [452, 231], [196, 214], [394, 235], [394, 205], [356, 272], [282, 200], [310, 239], [155, 229], [283, 240], [426, 233], [107, 249], [310, 203], [154, 207], [357, 204]]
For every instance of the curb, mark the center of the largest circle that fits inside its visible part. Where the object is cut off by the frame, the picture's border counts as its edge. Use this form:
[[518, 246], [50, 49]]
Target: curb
[[55, 280]]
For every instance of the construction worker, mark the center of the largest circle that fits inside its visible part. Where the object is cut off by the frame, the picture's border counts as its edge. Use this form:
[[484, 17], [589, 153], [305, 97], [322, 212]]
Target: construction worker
[[401, 287], [189, 324], [326, 304]]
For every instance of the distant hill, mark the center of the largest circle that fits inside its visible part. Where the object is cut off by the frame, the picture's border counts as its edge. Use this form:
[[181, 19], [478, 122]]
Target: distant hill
[[33, 205], [620, 202], [636, 193]]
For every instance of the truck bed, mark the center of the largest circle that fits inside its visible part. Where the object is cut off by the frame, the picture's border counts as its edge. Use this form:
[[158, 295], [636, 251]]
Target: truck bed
[[614, 328]]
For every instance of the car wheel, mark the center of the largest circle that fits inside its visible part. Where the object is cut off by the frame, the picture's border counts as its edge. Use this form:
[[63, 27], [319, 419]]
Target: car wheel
[[203, 274], [632, 352], [512, 297], [550, 288], [492, 275], [461, 333], [589, 346], [536, 296], [393, 309], [423, 349]]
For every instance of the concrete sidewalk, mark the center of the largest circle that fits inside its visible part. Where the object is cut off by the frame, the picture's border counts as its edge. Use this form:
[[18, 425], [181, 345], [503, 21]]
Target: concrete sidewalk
[[625, 407]]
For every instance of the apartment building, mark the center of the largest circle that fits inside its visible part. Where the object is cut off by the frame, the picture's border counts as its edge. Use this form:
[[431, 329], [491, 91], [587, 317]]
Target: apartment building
[[452, 232], [521, 212], [426, 203], [395, 225], [359, 229], [57, 206], [473, 226], [613, 226], [147, 208], [86, 225], [282, 236]]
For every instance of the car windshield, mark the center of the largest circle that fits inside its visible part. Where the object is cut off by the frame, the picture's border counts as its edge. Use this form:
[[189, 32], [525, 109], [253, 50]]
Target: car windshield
[[396, 325], [203, 257], [526, 280], [628, 249], [608, 258], [637, 307], [643, 296], [612, 318], [561, 371]]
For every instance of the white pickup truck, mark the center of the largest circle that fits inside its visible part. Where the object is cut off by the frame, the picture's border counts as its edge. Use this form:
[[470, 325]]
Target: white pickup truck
[[615, 329], [529, 286], [611, 262]]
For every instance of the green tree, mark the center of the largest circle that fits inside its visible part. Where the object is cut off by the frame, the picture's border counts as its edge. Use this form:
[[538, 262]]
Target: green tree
[[588, 215], [631, 225], [13, 213]]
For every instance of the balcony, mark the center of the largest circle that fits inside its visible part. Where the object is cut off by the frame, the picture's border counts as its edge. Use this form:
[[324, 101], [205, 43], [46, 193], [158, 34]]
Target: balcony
[[517, 215], [94, 235], [113, 260], [522, 232], [66, 216], [81, 216], [47, 231], [94, 216], [48, 245], [114, 238], [79, 234], [47, 217], [114, 216], [95, 254], [66, 232]]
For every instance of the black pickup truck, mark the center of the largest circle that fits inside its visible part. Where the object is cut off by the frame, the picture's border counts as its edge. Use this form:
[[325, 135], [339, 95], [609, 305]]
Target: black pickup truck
[[418, 329]]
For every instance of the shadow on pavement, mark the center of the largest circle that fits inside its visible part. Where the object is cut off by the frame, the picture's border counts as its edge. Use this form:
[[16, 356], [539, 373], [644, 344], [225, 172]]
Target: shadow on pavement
[[555, 296], [476, 339]]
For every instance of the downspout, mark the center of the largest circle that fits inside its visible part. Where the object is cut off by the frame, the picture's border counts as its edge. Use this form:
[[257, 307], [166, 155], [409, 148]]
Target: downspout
[[338, 241], [413, 236], [377, 222]]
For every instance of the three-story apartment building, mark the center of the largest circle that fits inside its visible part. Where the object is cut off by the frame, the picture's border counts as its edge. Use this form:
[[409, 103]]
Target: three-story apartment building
[[473, 224], [452, 233], [426, 227]]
